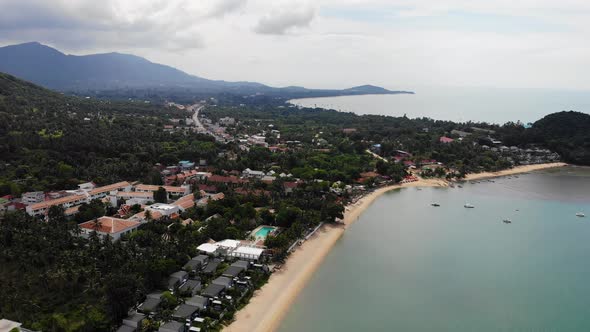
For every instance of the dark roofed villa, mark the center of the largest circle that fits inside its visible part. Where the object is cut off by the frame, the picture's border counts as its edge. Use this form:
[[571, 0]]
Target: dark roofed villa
[[233, 271], [213, 290]]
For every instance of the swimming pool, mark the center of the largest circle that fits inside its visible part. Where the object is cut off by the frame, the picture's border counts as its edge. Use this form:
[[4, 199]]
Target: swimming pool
[[263, 231]]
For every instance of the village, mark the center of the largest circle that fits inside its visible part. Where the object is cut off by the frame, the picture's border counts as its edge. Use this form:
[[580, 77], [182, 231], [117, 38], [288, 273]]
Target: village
[[224, 273]]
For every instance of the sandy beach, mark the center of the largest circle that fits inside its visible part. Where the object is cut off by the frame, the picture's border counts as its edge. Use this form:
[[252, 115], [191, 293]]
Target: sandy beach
[[269, 305]]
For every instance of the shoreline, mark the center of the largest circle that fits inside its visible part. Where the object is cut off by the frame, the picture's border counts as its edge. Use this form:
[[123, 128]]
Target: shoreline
[[270, 304]]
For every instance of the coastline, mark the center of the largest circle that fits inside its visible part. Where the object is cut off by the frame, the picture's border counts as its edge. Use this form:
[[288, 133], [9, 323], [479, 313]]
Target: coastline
[[271, 303]]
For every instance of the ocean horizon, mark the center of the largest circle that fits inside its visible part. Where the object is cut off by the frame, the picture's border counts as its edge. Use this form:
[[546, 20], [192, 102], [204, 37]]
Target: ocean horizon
[[492, 105], [408, 266]]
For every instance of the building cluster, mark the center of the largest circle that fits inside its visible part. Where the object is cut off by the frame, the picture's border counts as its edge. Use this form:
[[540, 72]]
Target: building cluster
[[205, 289]]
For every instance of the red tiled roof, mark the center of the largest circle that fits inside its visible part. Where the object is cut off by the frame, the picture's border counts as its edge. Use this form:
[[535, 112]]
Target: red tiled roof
[[57, 201], [225, 179], [149, 187], [445, 139], [109, 225], [110, 187]]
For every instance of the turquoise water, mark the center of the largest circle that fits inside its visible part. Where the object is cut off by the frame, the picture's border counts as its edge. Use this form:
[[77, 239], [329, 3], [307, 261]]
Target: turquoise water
[[407, 266], [462, 104], [263, 232]]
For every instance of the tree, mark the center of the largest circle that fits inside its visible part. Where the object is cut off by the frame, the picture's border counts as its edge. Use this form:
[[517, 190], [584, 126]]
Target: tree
[[161, 196]]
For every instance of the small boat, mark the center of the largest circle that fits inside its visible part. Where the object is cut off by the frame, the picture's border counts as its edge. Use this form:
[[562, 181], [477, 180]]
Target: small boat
[[435, 204], [507, 221], [468, 206], [580, 214], [460, 186]]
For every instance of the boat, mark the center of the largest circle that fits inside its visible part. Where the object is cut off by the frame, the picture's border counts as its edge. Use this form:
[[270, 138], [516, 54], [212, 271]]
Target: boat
[[507, 221], [580, 214], [460, 186], [468, 206], [435, 204]]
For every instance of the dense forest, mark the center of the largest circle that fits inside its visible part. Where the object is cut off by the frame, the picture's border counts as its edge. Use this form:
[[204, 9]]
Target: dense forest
[[51, 141]]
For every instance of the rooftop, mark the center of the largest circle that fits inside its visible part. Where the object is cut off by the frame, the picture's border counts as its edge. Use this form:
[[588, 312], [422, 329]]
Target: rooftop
[[109, 225]]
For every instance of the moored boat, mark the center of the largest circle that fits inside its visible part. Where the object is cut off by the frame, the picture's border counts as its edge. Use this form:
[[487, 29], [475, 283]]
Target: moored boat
[[507, 221], [435, 204]]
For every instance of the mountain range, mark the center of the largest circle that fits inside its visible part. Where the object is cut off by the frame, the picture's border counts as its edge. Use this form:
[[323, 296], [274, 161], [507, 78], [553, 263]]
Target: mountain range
[[53, 69]]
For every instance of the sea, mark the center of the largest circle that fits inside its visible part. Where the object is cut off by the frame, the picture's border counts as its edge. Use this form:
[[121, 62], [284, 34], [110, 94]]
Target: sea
[[408, 266], [491, 105]]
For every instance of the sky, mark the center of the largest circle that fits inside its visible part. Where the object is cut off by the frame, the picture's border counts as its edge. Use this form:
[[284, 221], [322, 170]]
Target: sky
[[397, 44]]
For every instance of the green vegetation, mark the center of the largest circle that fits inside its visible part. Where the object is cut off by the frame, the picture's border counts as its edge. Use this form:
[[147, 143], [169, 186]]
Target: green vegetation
[[50, 141]]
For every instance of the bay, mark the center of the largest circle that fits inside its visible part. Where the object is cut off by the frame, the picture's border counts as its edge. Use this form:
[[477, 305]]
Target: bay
[[492, 105], [407, 266]]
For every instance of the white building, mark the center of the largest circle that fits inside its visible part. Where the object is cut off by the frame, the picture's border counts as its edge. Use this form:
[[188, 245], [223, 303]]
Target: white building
[[114, 227], [248, 173], [33, 197], [164, 209]]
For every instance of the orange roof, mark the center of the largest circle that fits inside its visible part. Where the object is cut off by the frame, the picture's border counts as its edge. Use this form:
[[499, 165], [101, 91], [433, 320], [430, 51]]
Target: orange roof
[[57, 201], [110, 187], [141, 215], [135, 194], [185, 202], [149, 187], [109, 225], [72, 210]]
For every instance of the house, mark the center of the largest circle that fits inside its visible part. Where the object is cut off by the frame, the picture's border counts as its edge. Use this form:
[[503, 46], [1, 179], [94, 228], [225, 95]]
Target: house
[[208, 248], [241, 263], [101, 192], [290, 186], [172, 326], [196, 262], [134, 320], [190, 287], [151, 303], [113, 227], [227, 180], [185, 202], [184, 312], [233, 271], [176, 279], [198, 301], [248, 173], [33, 197], [223, 281], [163, 209], [65, 202], [172, 191], [192, 266], [211, 267], [213, 290], [132, 197], [445, 140], [249, 253]]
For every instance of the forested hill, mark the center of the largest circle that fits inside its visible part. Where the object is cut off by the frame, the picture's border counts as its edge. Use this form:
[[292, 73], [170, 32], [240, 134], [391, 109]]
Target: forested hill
[[53, 69], [567, 133], [51, 141]]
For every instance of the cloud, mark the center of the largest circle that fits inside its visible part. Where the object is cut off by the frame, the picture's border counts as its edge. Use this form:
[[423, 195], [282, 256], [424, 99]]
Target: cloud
[[285, 19], [86, 24]]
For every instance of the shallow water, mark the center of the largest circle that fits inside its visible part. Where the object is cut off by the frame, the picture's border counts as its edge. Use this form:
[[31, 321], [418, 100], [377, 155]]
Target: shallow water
[[407, 266]]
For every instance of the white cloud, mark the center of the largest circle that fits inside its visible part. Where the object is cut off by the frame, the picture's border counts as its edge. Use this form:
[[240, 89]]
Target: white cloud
[[285, 17], [398, 44]]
